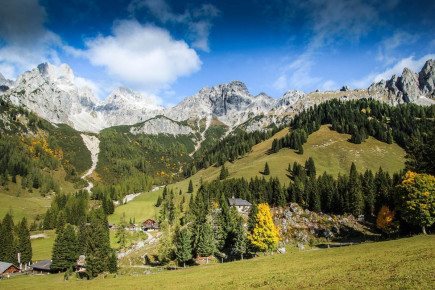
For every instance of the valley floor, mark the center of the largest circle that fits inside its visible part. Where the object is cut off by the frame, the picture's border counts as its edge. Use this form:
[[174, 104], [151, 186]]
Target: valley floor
[[401, 263]]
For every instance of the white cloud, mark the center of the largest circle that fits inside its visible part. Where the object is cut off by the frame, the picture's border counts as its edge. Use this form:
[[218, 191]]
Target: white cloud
[[411, 63], [281, 83], [397, 69], [96, 88], [198, 21], [142, 55], [329, 85], [26, 42]]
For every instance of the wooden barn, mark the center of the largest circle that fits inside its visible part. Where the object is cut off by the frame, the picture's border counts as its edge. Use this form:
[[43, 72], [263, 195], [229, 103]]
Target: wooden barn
[[8, 269], [150, 225]]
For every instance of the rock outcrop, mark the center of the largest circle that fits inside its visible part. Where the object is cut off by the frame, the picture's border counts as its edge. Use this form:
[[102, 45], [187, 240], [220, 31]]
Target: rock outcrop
[[408, 88], [161, 125]]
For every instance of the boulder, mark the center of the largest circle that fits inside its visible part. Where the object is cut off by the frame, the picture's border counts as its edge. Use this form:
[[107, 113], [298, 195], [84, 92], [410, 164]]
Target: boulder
[[300, 246], [281, 250]]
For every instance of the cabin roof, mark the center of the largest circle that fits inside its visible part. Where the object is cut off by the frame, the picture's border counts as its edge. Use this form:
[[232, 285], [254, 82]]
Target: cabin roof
[[238, 202], [42, 265], [4, 266]]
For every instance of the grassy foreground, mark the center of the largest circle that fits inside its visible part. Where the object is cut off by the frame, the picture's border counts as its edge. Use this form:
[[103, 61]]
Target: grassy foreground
[[403, 263]]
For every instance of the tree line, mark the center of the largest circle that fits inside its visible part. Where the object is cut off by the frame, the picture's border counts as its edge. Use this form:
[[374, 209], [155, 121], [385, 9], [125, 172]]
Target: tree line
[[15, 239], [361, 119]]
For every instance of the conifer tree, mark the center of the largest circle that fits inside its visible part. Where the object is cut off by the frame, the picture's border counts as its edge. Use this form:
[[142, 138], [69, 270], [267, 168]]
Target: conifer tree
[[369, 189], [24, 245], [8, 251], [184, 246], [97, 244], [224, 172], [113, 263], [310, 167], [120, 232], [252, 217], [206, 244], [58, 256], [60, 221], [240, 238], [266, 170], [190, 189], [356, 201], [65, 249]]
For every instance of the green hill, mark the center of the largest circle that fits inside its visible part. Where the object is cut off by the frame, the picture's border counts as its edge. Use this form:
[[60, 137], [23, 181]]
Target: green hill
[[37, 160], [331, 151]]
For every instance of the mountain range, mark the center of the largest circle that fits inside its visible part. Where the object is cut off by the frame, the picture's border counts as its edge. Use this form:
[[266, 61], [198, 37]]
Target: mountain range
[[50, 92]]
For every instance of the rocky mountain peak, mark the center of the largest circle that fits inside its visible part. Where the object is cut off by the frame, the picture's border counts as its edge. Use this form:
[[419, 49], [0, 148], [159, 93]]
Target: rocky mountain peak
[[5, 83], [427, 78], [56, 74], [410, 87]]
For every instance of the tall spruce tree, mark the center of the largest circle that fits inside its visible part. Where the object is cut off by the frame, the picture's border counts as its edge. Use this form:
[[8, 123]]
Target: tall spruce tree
[[224, 172], [266, 170], [65, 249], [8, 249], [190, 189], [356, 201], [59, 253], [310, 167], [24, 245], [97, 244], [206, 244], [184, 246], [240, 238]]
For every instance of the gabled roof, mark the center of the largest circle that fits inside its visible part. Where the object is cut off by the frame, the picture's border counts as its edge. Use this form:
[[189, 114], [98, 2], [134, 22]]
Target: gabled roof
[[42, 265], [4, 266], [238, 202]]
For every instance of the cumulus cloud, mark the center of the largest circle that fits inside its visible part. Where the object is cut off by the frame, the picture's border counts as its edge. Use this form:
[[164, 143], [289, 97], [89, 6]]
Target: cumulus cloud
[[25, 42], [142, 55], [397, 69], [409, 62], [198, 21]]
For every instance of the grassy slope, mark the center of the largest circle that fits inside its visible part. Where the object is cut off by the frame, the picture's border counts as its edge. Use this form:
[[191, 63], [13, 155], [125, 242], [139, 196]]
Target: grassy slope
[[41, 248], [330, 150], [23, 203], [403, 263]]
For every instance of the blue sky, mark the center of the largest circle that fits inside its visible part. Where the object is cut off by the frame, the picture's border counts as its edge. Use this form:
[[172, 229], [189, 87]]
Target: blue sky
[[170, 49]]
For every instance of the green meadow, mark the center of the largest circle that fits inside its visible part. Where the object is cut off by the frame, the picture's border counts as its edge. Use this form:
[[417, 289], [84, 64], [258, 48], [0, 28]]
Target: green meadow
[[407, 263]]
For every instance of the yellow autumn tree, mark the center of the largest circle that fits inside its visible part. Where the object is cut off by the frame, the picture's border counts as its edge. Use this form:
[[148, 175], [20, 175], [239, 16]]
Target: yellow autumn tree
[[385, 221], [265, 235], [416, 196]]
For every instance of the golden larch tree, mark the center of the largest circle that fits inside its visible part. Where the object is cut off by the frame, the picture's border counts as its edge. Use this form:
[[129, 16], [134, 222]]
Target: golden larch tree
[[265, 235]]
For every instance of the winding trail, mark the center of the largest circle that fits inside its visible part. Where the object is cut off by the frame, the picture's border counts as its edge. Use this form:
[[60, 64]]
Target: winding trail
[[93, 145]]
